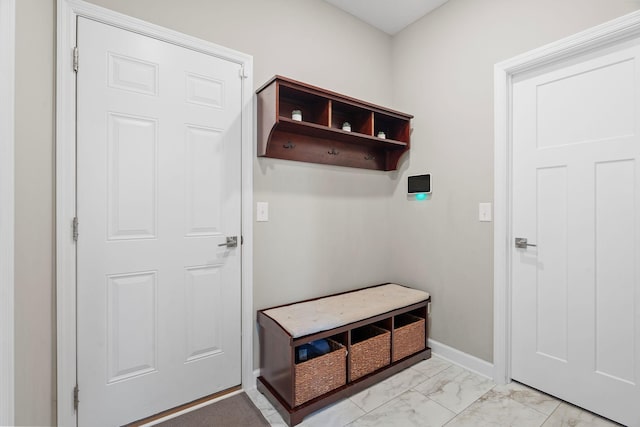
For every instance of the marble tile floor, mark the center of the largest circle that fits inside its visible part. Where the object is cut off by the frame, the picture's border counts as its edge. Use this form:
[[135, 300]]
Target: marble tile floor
[[438, 393]]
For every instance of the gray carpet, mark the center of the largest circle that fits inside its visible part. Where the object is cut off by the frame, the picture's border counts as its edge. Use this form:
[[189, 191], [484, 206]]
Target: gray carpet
[[233, 411]]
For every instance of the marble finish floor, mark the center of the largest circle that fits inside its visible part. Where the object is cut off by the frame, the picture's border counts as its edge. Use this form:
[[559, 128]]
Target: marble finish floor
[[438, 393]]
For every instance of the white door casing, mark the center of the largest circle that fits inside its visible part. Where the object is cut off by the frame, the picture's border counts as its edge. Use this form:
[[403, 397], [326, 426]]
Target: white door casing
[[68, 12], [579, 160], [158, 192]]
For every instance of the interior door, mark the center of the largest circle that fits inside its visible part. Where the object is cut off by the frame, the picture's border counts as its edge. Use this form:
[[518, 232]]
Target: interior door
[[158, 194], [576, 196]]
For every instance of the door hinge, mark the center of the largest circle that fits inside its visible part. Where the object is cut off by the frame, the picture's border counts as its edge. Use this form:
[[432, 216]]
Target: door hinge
[[243, 75], [76, 399], [75, 229], [241, 239], [75, 59]]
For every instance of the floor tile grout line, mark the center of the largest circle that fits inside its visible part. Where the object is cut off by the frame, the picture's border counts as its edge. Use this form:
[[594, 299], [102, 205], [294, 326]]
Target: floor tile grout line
[[559, 401], [488, 391], [408, 390], [455, 415], [393, 398], [465, 408], [379, 406], [398, 396], [353, 421], [551, 414], [474, 401], [537, 410]]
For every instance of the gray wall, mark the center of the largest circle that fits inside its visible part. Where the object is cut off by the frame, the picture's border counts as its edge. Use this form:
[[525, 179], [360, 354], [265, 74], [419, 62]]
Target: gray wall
[[443, 74], [331, 229], [34, 234]]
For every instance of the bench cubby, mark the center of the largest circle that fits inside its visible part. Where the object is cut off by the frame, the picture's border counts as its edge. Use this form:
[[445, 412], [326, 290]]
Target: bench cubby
[[370, 350], [372, 334]]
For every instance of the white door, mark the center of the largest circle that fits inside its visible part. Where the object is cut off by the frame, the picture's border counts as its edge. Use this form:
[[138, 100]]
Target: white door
[[576, 195], [158, 192]]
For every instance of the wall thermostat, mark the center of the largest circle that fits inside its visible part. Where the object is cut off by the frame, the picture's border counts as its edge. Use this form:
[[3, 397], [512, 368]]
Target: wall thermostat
[[419, 185]]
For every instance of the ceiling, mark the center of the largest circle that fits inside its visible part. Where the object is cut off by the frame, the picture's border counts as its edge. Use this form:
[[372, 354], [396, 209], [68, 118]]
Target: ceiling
[[390, 16]]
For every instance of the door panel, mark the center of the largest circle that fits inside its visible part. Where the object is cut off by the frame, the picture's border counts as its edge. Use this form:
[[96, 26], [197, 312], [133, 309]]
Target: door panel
[[158, 166], [132, 181], [592, 104], [203, 185], [204, 307], [615, 216], [551, 280], [131, 325], [576, 189]]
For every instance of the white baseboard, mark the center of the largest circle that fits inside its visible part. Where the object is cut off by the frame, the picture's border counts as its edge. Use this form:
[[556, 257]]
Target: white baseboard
[[461, 358]]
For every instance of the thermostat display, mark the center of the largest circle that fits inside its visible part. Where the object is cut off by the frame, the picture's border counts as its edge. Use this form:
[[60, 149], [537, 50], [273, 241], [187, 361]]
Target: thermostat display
[[419, 184]]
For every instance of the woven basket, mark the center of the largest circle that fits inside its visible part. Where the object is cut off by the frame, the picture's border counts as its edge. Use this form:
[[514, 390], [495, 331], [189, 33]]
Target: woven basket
[[408, 336], [370, 354], [321, 374]]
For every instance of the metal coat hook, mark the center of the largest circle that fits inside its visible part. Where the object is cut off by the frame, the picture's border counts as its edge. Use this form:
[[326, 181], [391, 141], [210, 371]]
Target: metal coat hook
[[333, 152]]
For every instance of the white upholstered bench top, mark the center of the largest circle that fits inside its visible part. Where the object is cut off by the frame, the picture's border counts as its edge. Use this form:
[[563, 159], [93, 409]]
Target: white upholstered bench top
[[309, 317]]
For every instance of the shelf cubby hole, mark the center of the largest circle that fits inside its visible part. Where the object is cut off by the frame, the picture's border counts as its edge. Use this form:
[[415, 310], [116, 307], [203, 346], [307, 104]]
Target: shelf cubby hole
[[409, 317], [363, 333], [339, 338], [393, 127], [314, 108], [361, 120]]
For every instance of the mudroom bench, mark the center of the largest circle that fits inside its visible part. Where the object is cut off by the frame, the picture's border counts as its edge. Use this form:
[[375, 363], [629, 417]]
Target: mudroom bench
[[315, 352]]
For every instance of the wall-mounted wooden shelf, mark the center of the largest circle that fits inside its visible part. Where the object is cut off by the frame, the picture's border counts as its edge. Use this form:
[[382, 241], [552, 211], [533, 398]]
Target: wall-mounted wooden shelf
[[319, 137]]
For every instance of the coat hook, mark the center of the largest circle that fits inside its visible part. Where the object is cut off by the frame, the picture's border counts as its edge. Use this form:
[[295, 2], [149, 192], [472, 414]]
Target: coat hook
[[289, 145], [369, 157], [333, 152]]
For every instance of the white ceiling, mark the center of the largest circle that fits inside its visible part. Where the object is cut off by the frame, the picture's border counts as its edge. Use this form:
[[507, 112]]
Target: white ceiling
[[390, 16]]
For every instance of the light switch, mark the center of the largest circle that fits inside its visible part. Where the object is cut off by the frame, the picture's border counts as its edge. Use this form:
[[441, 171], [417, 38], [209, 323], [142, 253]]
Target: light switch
[[484, 212], [262, 211]]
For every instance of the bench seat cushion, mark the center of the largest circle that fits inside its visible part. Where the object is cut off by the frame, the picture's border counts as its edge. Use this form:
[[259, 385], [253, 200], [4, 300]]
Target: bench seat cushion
[[309, 317]]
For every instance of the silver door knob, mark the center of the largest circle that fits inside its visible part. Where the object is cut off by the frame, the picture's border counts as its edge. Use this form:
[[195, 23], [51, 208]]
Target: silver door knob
[[521, 243], [232, 242]]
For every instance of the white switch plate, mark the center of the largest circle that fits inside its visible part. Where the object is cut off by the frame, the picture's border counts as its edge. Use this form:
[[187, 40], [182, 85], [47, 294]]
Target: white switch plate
[[484, 212], [262, 211]]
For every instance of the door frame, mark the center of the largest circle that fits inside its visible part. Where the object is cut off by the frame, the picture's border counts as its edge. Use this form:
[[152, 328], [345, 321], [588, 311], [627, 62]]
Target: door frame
[[67, 12], [612, 32], [7, 206]]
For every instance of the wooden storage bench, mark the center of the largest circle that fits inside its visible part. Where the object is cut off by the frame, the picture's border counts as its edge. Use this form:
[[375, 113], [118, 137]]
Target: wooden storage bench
[[370, 334]]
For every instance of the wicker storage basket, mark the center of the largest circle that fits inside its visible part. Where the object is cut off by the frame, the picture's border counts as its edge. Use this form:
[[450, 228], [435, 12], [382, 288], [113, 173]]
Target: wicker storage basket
[[370, 354], [408, 336], [321, 374]]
